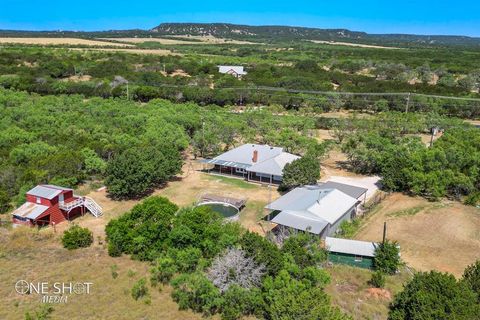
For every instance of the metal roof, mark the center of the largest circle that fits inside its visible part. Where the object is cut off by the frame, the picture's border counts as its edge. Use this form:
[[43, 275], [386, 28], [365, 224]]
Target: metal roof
[[226, 163], [56, 187], [275, 165], [45, 191], [237, 69], [352, 191], [300, 221], [270, 160], [30, 210], [311, 206], [354, 247]]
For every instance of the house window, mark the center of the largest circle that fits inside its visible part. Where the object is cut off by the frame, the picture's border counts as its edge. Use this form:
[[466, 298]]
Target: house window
[[358, 259], [38, 200]]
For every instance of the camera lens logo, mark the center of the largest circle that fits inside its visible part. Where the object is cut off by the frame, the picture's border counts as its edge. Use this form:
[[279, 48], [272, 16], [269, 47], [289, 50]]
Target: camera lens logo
[[22, 287], [80, 288]]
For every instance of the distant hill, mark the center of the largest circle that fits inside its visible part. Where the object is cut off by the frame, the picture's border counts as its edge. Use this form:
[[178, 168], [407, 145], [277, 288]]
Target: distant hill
[[269, 34], [283, 33]]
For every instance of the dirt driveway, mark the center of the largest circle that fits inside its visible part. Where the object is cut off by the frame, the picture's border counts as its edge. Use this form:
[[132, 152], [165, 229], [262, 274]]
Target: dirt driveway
[[444, 236]]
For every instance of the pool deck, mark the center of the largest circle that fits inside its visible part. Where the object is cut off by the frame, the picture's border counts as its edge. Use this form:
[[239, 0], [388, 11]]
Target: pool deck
[[207, 198]]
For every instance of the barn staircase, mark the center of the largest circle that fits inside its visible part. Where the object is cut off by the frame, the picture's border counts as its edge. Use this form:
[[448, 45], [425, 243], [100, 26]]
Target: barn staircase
[[92, 206], [86, 202]]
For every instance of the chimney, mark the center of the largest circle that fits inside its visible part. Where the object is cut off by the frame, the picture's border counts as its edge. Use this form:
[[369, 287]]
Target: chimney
[[255, 156]]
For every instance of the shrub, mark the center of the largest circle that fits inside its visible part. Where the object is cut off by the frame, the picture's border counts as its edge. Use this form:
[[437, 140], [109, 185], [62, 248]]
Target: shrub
[[163, 271], [42, 313], [263, 251], [194, 291], [288, 298], [387, 257], [349, 228], [239, 302], [114, 250], [377, 280], [300, 172], [136, 172], [114, 269], [435, 295], [77, 237], [471, 276], [187, 259], [473, 199], [139, 289], [4, 201], [305, 249]]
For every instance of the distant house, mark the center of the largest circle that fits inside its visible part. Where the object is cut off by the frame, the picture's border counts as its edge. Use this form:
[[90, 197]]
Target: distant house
[[253, 162], [351, 252], [46, 204], [236, 71], [318, 209]]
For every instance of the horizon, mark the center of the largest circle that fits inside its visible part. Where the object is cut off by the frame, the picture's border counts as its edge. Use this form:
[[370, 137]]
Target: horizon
[[448, 18], [237, 24]]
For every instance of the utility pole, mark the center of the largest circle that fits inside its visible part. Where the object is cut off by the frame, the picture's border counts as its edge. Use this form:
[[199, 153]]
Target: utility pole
[[203, 138], [127, 92], [384, 232], [408, 102]]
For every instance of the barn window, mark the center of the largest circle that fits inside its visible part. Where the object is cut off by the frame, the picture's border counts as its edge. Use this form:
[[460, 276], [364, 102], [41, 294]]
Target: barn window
[[358, 258], [38, 200]]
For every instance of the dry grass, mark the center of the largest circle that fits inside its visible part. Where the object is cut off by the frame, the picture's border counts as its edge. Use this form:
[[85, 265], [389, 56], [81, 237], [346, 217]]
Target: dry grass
[[353, 44], [160, 52], [350, 291], [180, 40], [433, 236], [214, 40], [38, 256], [61, 41]]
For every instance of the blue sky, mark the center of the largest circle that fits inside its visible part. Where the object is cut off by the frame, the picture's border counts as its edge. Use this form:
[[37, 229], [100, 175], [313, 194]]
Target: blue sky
[[422, 17]]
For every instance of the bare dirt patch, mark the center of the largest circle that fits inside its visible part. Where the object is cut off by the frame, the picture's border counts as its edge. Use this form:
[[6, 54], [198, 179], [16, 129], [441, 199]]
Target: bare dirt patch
[[353, 44], [61, 41], [350, 291], [78, 78], [180, 40], [441, 236], [160, 52]]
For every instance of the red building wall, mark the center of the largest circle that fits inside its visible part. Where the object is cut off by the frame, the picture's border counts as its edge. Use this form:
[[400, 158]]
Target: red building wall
[[43, 201]]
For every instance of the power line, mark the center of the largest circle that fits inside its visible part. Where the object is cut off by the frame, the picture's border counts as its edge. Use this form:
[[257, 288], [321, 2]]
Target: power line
[[330, 93]]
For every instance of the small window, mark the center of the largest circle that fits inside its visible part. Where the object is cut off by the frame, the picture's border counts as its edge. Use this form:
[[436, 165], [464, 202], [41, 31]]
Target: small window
[[358, 259], [38, 200], [240, 170]]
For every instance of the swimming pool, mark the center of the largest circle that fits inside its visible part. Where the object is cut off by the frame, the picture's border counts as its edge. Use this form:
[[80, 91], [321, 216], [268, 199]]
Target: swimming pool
[[227, 210]]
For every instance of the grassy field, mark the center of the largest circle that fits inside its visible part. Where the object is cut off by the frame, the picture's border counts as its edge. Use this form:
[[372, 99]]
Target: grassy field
[[62, 41], [350, 291], [38, 257], [433, 235], [180, 40]]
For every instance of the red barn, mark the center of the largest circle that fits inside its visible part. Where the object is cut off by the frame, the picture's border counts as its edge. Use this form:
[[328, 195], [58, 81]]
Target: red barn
[[48, 204]]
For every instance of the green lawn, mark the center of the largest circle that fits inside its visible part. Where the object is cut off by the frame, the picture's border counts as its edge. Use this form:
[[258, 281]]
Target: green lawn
[[232, 181]]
